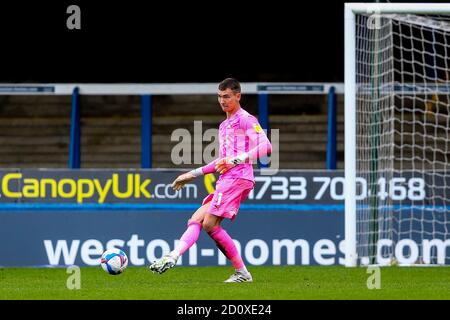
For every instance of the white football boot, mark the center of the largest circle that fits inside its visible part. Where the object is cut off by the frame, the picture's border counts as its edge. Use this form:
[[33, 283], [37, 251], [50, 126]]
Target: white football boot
[[163, 264], [240, 276]]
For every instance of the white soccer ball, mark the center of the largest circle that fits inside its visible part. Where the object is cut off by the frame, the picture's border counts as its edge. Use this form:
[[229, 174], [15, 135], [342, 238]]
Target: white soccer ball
[[114, 261]]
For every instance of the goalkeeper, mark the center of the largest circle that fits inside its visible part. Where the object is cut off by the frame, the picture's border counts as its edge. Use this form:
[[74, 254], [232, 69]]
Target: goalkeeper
[[241, 142]]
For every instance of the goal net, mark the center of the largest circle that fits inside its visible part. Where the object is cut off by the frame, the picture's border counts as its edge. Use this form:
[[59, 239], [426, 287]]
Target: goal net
[[401, 137]]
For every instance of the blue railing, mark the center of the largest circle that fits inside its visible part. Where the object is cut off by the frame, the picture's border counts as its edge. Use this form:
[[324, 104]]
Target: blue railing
[[332, 130], [146, 131], [263, 117], [75, 132]]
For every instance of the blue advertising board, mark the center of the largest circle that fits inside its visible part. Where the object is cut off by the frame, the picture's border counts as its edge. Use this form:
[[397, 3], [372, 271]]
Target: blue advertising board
[[66, 217]]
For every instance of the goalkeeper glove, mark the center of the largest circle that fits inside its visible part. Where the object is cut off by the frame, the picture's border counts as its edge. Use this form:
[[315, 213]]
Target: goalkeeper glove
[[225, 164]]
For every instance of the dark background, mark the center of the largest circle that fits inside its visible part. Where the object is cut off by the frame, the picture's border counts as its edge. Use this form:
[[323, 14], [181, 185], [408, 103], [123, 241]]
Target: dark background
[[189, 41]]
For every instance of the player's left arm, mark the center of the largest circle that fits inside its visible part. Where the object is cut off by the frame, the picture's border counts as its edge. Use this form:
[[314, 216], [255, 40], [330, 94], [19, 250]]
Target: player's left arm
[[260, 145]]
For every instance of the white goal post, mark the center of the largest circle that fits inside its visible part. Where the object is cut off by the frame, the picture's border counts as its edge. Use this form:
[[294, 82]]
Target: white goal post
[[397, 133]]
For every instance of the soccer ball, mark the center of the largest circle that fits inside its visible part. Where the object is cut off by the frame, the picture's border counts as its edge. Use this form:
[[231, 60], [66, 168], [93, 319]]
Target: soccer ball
[[114, 261]]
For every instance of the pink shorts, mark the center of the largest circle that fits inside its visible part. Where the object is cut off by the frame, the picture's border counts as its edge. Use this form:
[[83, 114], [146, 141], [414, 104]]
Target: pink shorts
[[227, 198]]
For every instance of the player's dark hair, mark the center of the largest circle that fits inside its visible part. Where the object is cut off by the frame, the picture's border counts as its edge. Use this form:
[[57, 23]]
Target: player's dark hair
[[230, 83]]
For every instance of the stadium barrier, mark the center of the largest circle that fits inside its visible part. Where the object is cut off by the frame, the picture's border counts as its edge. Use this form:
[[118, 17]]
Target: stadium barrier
[[146, 91]]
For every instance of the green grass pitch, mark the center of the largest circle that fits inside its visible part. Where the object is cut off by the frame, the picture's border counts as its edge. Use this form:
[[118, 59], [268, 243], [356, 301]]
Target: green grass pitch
[[205, 283]]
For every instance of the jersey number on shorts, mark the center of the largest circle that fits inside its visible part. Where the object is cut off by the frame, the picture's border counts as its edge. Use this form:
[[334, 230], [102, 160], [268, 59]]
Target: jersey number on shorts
[[219, 199]]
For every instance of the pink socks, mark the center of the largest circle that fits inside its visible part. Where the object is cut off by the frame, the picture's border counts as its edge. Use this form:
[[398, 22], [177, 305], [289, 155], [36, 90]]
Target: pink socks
[[226, 245], [189, 237], [219, 235]]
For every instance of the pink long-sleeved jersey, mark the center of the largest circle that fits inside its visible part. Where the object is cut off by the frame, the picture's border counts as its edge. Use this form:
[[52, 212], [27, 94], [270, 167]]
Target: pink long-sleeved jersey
[[239, 134]]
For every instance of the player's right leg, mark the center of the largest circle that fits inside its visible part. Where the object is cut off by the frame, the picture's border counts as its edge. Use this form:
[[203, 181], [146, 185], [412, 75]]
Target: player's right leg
[[189, 237], [225, 204], [224, 242]]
